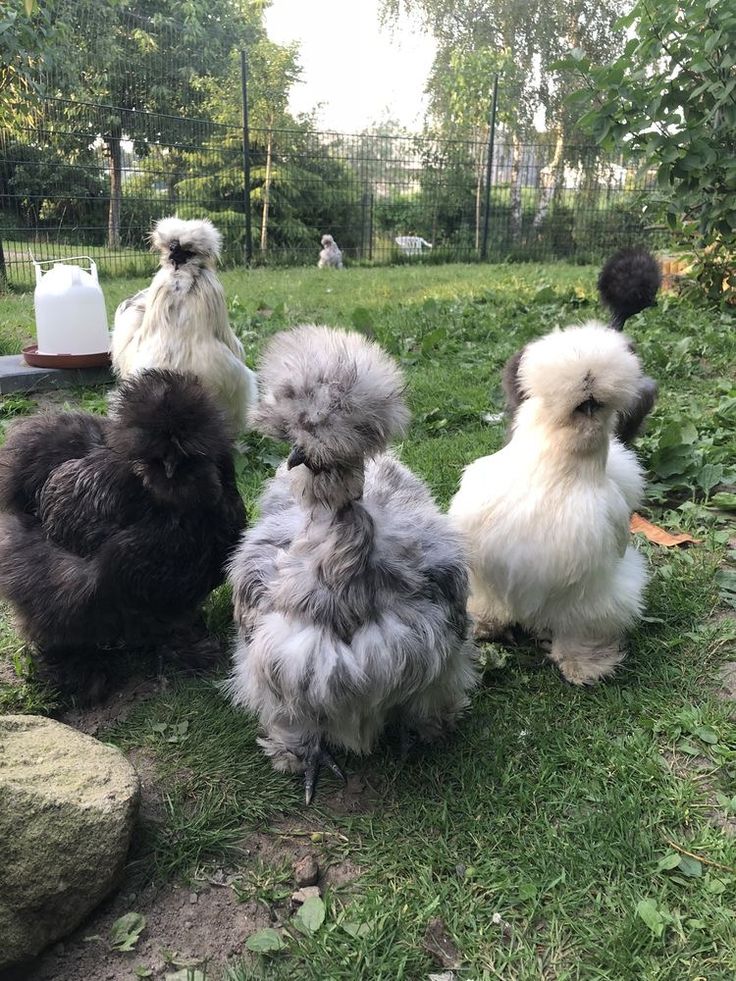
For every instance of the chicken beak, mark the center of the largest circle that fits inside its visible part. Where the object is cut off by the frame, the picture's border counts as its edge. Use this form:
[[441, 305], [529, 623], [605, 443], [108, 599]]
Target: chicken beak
[[169, 468], [588, 407], [297, 457]]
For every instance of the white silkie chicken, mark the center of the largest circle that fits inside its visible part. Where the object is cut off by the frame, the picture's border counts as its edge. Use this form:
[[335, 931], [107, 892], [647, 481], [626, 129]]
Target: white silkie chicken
[[350, 593], [546, 519], [180, 322], [330, 257]]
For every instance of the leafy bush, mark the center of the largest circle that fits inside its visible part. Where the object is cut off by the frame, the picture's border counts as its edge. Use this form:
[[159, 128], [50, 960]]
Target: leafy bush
[[671, 97]]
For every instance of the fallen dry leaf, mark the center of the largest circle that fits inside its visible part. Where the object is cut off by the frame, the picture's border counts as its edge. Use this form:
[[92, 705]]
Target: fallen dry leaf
[[659, 536]]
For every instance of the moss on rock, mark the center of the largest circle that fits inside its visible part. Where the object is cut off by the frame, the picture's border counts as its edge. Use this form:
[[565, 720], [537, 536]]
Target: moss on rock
[[67, 808]]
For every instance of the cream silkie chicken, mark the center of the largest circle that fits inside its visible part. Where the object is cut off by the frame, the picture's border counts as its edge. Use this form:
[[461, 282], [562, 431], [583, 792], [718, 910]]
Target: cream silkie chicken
[[546, 519], [180, 322]]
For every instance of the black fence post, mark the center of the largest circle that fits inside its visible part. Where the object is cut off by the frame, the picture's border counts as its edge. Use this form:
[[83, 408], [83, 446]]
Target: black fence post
[[365, 220], [370, 227], [3, 268], [489, 168], [246, 159]]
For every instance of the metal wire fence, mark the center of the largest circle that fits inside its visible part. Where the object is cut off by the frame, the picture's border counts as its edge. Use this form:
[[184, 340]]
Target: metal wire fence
[[383, 198], [128, 123]]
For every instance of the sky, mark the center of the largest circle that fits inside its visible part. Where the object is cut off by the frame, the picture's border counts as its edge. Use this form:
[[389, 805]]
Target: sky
[[360, 72]]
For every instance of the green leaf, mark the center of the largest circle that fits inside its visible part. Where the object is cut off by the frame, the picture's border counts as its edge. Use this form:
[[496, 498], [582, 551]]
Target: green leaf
[[728, 803], [670, 861], [31, 7], [266, 941], [186, 974], [687, 747], [670, 461], [125, 931], [690, 867], [706, 734], [311, 915], [715, 886], [710, 475], [143, 972], [647, 911], [676, 434], [724, 500], [356, 929]]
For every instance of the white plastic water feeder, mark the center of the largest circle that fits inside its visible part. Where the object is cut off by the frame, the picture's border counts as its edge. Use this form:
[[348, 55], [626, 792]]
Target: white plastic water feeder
[[71, 319]]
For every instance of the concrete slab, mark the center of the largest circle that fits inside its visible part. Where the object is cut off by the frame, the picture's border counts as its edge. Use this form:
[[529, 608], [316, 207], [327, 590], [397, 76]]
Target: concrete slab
[[17, 376]]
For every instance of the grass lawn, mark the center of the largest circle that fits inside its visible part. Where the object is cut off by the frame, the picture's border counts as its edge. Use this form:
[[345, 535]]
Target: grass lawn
[[551, 836]]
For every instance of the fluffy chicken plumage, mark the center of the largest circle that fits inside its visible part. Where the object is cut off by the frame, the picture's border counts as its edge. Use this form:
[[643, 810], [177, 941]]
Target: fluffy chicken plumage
[[546, 519], [113, 531], [181, 323], [628, 283], [350, 592], [330, 257]]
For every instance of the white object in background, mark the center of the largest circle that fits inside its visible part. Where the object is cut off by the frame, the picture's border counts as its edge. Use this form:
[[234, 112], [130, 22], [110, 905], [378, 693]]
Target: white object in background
[[70, 309], [412, 244]]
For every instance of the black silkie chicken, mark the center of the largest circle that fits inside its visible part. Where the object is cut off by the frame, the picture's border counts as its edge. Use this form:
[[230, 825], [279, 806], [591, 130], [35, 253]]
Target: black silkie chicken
[[628, 283], [113, 531]]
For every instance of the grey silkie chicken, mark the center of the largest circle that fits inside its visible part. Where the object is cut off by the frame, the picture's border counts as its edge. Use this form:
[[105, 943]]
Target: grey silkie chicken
[[350, 592]]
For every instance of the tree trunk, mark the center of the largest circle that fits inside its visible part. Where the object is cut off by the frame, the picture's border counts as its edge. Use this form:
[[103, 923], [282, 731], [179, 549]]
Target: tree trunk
[[266, 192], [516, 206], [549, 178], [115, 153]]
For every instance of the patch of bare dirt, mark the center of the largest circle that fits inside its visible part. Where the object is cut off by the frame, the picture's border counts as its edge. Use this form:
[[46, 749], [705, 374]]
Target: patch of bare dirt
[[292, 847], [116, 708], [8, 676], [694, 767], [341, 874], [183, 928], [357, 796], [292, 841], [152, 809], [440, 946], [724, 822], [204, 924], [727, 681]]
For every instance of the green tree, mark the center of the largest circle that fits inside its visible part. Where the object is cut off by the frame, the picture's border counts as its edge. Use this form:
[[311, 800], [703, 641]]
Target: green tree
[[671, 97], [143, 62], [460, 91], [524, 41], [272, 70]]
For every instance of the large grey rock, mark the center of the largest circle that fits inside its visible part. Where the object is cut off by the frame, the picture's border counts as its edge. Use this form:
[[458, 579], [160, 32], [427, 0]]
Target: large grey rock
[[67, 807]]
